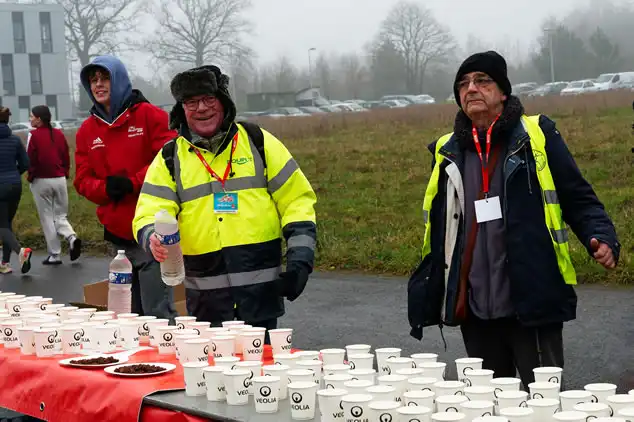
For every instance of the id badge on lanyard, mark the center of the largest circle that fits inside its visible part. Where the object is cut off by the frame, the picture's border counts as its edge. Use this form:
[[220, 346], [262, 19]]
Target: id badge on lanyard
[[489, 208]]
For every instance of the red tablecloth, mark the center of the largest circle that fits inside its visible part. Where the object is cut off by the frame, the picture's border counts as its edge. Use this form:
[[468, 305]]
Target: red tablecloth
[[44, 389]]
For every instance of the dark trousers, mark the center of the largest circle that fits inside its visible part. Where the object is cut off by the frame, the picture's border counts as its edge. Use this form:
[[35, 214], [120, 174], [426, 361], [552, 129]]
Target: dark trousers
[[506, 346], [150, 296], [9, 201]]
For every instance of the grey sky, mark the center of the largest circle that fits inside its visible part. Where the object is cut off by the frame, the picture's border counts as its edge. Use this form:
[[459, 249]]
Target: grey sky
[[290, 27]]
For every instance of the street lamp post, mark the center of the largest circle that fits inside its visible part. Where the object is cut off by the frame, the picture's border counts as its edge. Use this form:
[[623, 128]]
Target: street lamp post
[[310, 76], [550, 31]]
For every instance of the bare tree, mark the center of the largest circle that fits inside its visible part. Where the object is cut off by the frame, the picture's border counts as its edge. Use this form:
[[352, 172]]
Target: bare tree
[[419, 38], [354, 73], [199, 31]]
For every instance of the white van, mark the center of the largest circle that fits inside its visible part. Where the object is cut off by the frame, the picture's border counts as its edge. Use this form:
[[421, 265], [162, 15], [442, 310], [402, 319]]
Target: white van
[[619, 80]]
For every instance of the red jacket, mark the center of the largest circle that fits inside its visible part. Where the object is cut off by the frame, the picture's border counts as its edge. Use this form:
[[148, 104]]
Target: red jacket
[[48, 155], [124, 148]]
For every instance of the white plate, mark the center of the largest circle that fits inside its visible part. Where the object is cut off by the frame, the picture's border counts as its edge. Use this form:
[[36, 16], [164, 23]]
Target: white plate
[[66, 362], [168, 367]]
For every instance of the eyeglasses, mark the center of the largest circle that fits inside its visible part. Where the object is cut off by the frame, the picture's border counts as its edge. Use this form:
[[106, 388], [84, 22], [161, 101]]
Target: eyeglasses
[[478, 81], [192, 105]]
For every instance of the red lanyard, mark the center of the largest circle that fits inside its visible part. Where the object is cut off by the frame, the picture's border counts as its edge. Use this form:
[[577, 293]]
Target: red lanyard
[[234, 144], [485, 161]]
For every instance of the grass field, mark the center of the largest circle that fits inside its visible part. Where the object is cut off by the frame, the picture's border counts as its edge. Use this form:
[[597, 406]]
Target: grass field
[[370, 171]]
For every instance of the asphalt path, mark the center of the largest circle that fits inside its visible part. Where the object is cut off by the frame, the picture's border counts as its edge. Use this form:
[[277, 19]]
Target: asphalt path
[[340, 309]]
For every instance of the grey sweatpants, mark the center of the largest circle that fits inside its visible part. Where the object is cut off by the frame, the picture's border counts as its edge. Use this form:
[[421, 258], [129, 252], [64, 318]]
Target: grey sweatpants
[[51, 200]]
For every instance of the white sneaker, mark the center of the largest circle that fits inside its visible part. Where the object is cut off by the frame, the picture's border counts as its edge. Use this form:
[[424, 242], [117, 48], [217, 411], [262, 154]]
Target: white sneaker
[[5, 268]]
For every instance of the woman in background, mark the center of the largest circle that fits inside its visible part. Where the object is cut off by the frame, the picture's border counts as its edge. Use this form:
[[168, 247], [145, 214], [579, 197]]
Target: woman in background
[[13, 162], [48, 170]]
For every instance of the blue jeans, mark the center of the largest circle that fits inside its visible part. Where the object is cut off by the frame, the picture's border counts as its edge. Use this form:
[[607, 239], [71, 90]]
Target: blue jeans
[[150, 296]]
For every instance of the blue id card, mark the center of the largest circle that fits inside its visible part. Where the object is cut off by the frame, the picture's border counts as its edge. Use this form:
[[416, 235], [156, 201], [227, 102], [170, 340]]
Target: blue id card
[[225, 203]]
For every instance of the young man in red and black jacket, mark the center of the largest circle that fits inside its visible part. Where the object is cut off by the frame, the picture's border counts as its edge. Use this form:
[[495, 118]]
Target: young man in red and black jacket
[[115, 146]]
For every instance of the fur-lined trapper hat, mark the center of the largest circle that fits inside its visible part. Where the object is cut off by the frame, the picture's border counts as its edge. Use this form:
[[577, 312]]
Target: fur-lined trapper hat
[[204, 80]]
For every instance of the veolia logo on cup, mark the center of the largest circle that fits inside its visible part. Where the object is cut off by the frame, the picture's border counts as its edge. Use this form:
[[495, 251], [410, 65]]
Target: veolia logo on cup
[[115, 334], [167, 337], [385, 417], [265, 391], [180, 326], [213, 347], [8, 332], [197, 330], [356, 411], [467, 382], [206, 350], [554, 379], [412, 404], [414, 365], [452, 409], [459, 393], [414, 420], [51, 338], [352, 365], [77, 336], [538, 396], [330, 386], [289, 338], [146, 328], [257, 343], [523, 404], [43, 306], [296, 397], [496, 391]]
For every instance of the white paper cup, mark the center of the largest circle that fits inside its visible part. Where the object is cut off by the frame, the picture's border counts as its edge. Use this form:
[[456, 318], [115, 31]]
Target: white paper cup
[[106, 338], [228, 362], [83, 316], [182, 321], [195, 350], [279, 371], [570, 416], [89, 335], [198, 326], [10, 333], [194, 380], [129, 330], [179, 342], [71, 339], [448, 417], [434, 369], [361, 360], [480, 392], [383, 411], [237, 333], [382, 355], [595, 410], [506, 384], [336, 381], [619, 402], [254, 368], [518, 414], [252, 345], [464, 364], [420, 358], [232, 323], [214, 383], [308, 355], [208, 333], [58, 334], [44, 302], [314, 366], [266, 392], [382, 392], [300, 375], [64, 311], [544, 408], [237, 386], [356, 406], [357, 387], [476, 409], [478, 377], [281, 340], [630, 392], [114, 323], [14, 306], [144, 328], [166, 344], [331, 405], [288, 359], [303, 400], [449, 388], [421, 383], [627, 413], [548, 374], [414, 413], [336, 369], [111, 314], [570, 398], [419, 398], [544, 390], [332, 356], [45, 342], [27, 340], [449, 403], [363, 374], [129, 315], [399, 382], [357, 349], [152, 324], [505, 399], [601, 391], [410, 372], [396, 364], [222, 346], [90, 311]]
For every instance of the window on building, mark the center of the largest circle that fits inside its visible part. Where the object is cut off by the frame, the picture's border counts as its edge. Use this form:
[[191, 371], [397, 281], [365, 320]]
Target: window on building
[[19, 39], [8, 78], [24, 104], [36, 73], [51, 102], [45, 30]]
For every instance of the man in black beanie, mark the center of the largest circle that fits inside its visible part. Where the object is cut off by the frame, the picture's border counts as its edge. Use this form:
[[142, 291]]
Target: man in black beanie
[[495, 258], [237, 192]]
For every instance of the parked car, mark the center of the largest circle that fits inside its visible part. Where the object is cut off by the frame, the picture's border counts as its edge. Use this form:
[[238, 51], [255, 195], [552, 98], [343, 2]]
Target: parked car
[[312, 110], [551, 88], [579, 87]]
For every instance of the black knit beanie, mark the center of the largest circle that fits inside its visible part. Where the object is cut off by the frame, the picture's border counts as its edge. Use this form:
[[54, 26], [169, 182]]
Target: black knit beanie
[[204, 80], [489, 62]]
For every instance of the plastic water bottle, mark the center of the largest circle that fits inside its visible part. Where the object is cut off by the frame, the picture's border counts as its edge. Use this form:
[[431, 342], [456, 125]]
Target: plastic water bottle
[[120, 285], [173, 268]]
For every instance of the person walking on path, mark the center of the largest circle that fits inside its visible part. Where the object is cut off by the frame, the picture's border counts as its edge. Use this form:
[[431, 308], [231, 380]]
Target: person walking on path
[[13, 163], [49, 167]]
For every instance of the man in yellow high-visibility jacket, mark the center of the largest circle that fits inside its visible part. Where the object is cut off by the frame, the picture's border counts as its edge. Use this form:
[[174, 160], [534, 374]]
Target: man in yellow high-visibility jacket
[[236, 191]]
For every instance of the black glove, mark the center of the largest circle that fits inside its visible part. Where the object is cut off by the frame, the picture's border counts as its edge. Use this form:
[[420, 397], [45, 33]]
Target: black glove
[[292, 282], [118, 186]]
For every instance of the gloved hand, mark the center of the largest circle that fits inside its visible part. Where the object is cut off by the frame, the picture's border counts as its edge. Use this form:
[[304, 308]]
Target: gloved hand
[[118, 186], [292, 282]]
